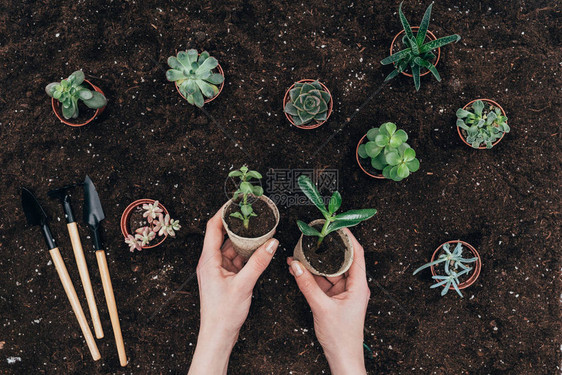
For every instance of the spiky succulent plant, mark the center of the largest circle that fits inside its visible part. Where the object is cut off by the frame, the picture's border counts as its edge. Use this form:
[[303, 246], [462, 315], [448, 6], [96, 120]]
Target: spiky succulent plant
[[388, 151], [483, 124], [308, 101], [417, 54], [193, 73], [453, 261], [70, 90]]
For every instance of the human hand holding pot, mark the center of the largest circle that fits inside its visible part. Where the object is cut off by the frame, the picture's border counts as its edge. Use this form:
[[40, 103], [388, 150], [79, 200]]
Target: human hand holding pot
[[225, 292], [339, 305]]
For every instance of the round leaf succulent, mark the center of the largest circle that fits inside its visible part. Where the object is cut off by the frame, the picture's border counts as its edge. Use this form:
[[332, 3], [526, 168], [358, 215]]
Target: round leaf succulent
[[193, 73], [70, 90], [308, 101], [388, 152], [483, 124]]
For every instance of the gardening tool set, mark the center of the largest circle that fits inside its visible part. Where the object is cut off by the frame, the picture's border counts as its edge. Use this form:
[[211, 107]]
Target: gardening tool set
[[93, 215]]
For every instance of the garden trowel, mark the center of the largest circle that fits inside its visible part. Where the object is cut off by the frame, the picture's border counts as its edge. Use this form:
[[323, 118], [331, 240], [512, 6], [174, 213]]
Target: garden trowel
[[64, 197], [36, 216], [93, 215]]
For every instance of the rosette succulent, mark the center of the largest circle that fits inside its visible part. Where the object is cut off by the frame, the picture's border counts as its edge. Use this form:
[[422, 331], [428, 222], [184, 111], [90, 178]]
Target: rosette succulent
[[70, 90], [388, 152], [308, 101], [155, 224], [483, 123], [417, 54], [193, 73]]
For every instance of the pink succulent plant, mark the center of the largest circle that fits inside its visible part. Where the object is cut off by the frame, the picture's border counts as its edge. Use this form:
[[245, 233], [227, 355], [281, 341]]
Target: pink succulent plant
[[158, 224], [151, 211], [133, 243]]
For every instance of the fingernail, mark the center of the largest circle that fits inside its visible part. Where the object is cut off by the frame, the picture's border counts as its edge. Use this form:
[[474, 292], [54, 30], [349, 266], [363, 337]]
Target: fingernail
[[271, 246], [296, 268]]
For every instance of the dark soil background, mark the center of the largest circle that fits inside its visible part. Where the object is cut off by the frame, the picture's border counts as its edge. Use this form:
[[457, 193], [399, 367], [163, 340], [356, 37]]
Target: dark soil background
[[149, 143]]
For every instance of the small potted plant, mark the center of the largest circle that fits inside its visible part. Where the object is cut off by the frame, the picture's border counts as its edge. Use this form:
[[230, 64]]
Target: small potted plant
[[307, 104], [196, 76], [384, 149], [249, 217], [449, 268], [418, 55], [482, 123], [324, 248], [146, 223], [73, 96]]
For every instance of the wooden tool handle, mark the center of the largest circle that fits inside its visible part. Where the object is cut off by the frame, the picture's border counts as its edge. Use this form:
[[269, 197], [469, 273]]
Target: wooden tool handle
[[111, 306], [85, 277], [73, 298]]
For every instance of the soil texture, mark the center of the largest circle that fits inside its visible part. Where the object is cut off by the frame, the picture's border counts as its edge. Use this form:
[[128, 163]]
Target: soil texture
[[329, 256], [258, 225]]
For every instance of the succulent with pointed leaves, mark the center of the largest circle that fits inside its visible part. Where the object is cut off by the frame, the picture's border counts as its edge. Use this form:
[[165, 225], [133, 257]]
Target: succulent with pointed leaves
[[193, 73], [388, 151], [483, 123], [333, 221], [246, 189], [453, 262], [418, 54], [69, 91], [308, 101]]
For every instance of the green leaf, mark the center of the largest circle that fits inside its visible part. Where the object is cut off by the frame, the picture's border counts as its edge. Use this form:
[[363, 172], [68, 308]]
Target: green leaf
[[335, 202], [51, 87], [207, 65], [96, 101], [389, 128], [405, 24], [254, 174], [361, 151], [396, 141], [372, 149], [198, 98], [393, 158], [429, 66], [392, 74], [208, 90], [85, 94], [439, 43], [237, 215], [78, 77], [372, 133], [382, 140], [416, 75], [69, 111], [402, 135], [461, 113], [235, 174], [310, 190], [379, 162], [202, 57], [478, 107], [402, 171], [291, 109], [396, 56], [173, 75], [305, 116], [409, 154], [307, 230], [215, 79], [246, 187], [413, 165], [246, 209], [360, 214], [257, 191], [174, 63], [420, 37]]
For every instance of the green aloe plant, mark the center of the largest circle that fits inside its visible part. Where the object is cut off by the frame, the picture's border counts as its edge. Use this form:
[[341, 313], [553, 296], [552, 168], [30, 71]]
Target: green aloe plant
[[69, 91], [333, 222], [193, 73], [246, 189], [307, 102], [417, 54], [388, 152], [483, 124]]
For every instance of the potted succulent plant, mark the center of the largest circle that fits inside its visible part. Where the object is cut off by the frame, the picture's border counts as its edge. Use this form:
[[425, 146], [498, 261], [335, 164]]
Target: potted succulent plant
[[146, 223], [73, 96], [307, 104], [482, 123], [324, 248], [418, 55], [450, 269], [249, 217], [384, 149], [196, 76]]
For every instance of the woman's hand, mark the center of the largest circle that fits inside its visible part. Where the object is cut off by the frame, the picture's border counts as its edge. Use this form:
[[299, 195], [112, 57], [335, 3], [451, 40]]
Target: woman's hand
[[339, 305], [225, 291]]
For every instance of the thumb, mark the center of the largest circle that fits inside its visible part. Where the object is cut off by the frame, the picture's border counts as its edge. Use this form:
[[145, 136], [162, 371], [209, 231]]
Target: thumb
[[257, 263], [308, 285]]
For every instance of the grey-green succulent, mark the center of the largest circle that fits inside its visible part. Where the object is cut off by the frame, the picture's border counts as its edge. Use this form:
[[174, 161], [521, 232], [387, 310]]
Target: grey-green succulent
[[418, 54], [193, 73], [70, 90], [246, 189], [308, 101], [388, 152], [484, 123]]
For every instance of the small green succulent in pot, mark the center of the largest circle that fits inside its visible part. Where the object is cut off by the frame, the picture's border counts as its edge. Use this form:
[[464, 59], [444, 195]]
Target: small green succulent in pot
[[195, 76], [483, 124], [69, 91], [308, 102], [418, 53], [388, 152], [245, 190]]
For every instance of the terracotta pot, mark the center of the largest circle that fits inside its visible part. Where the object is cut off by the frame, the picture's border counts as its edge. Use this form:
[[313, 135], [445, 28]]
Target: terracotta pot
[[286, 99], [207, 100], [476, 270], [127, 215], [58, 112], [246, 246], [461, 133], [357, 157], [298, 253], [429, 35]]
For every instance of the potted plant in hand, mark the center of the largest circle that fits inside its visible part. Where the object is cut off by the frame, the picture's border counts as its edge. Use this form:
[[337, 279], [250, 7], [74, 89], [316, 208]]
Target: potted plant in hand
[[482, 123], [75, 95], [144, 221], [450, 269], [385, 149], [417, 54], [324, 248], [196, 76], [307, 104], [249, 217]]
